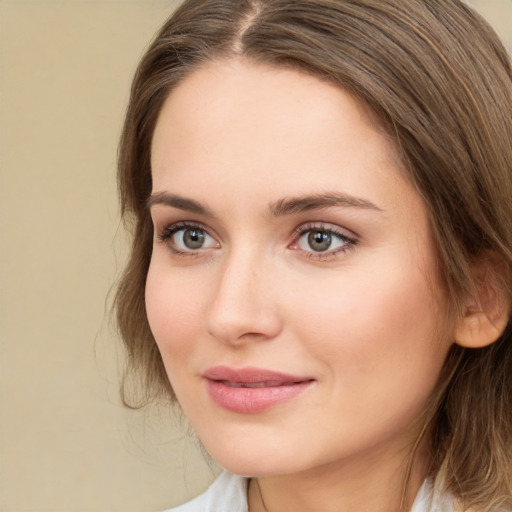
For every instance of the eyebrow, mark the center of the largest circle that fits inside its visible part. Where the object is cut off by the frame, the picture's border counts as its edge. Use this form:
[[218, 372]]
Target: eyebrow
[[279, 208], [306, 203], [179, 202]]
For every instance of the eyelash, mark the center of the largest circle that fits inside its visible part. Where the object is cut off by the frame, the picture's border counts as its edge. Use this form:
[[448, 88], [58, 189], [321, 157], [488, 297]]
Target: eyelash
[[349, 242]]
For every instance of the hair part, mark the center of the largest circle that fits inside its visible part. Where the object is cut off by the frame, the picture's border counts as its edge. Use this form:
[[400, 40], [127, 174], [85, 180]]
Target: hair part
[[440, 81]]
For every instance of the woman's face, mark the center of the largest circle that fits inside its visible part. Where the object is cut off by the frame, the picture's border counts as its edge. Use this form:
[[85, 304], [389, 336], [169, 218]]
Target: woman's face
[[292, 286]]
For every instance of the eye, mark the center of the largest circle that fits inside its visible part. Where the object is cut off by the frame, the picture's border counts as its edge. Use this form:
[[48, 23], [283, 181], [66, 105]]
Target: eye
[[322, 240], [319, 241], [187, 238]]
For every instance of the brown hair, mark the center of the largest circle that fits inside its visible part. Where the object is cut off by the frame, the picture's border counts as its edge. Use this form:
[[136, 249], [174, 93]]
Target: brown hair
[[437, 76]]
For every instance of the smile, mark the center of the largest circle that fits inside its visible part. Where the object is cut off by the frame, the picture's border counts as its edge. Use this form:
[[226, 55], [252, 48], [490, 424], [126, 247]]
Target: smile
[[252, 390], [265, 384]]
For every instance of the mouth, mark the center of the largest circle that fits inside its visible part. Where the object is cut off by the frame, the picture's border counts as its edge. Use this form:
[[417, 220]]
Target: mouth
[[264, 384], [251, 390]]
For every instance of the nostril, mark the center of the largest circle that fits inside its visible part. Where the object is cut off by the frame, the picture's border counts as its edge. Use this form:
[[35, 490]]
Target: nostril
[[236, 328], [241, 308]]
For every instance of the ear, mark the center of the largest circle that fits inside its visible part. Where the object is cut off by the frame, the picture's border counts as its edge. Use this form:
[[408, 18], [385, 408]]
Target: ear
[[487, 311]]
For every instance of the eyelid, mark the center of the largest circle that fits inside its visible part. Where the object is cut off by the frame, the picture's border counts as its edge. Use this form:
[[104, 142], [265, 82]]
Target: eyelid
[[327, 226]]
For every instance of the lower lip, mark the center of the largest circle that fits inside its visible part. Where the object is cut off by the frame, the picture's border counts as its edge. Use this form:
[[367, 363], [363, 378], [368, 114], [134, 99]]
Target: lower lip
[[253, 400]]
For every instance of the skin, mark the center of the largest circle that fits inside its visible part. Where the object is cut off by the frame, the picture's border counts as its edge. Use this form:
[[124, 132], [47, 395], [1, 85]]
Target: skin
[[362, 319]]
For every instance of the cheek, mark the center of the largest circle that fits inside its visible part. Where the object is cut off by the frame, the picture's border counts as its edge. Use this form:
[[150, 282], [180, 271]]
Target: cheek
[[174, 311], [374, 330]]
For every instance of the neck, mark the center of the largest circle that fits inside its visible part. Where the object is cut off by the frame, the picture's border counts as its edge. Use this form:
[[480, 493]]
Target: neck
[[380, 485]]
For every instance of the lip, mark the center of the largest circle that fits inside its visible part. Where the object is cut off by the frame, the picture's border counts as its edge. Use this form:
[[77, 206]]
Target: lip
[[250, 390]]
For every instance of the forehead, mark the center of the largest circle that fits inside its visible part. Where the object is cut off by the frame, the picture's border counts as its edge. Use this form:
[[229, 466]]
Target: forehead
[[262, 119], [219, 88]]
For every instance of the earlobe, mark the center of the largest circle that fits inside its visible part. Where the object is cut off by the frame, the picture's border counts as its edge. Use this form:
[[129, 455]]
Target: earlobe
[[487, 313]]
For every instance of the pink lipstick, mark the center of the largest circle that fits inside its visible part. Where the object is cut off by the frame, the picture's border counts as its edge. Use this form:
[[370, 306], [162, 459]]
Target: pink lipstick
[[251, 390]]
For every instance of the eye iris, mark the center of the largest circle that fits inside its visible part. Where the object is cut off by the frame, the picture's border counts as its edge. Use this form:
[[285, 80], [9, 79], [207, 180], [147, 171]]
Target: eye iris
[[319, 240], [193, 238]]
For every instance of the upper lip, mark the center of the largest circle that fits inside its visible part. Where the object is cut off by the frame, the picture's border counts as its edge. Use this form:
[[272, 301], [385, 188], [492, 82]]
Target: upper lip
[[251, 375]]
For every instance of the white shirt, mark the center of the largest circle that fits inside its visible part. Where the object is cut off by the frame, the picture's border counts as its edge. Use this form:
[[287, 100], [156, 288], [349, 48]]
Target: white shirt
[[229, 494]]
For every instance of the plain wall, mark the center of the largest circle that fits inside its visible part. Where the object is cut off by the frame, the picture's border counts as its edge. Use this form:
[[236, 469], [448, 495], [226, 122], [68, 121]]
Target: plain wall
[[66, 444]]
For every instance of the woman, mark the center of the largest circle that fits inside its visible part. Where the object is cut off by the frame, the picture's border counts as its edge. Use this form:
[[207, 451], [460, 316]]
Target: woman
[[321, 270]]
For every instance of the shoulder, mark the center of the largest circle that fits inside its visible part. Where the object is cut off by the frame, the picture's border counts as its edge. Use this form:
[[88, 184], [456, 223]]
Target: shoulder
[[227, 494]]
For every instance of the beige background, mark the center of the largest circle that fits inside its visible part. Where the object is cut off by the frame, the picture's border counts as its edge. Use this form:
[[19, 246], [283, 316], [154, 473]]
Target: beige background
[[66, 445]]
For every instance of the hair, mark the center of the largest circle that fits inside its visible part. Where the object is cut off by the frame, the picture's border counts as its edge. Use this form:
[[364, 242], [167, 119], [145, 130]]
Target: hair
[[439, 80]]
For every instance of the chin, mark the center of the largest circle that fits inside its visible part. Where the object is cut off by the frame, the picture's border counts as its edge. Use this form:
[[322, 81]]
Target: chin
[[243, 461], [252, 459]]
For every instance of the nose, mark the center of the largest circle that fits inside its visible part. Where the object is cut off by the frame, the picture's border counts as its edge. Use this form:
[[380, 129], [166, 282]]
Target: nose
[[243, 308]]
